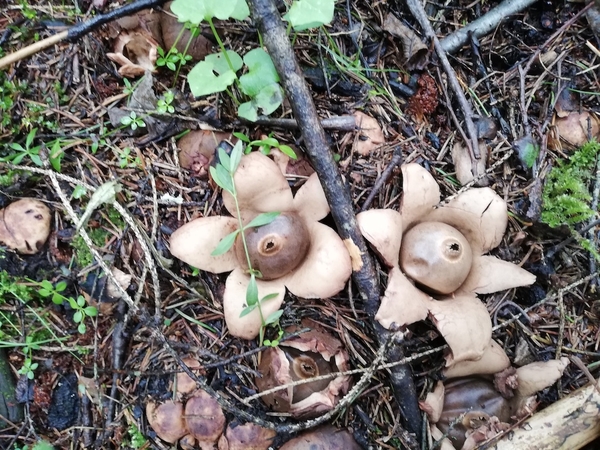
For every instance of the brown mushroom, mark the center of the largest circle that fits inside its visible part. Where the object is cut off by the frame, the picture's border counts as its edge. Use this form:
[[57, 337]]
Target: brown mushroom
[[262, 188], [303, 357], [436, 256], [479, 399], [25, 225], [277, 248], [323, 438], [493, 360], [204, 419], [167, 420], [248, 436], [197, 150], [185, 384]]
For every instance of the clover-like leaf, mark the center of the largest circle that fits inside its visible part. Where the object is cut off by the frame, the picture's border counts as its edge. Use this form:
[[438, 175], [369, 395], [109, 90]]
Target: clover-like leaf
[[261, 72], [196, 11], [203, 81], [269, 98], [248, 111], [305, 14]]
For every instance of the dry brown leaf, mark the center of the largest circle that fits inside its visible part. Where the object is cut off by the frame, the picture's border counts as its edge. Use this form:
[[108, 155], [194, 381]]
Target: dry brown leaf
[[415, 52], [371, 136]]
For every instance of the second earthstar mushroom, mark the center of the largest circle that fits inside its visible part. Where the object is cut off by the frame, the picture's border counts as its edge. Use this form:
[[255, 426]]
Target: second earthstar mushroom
[[322, 272], [437, 261]]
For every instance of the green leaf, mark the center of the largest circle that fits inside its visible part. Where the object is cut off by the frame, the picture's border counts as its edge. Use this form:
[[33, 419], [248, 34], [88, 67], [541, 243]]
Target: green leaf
[[55, 155], [224, 160], [30, 138], [196, 11], [261, 72], [80, 301], [252, 292], [61, 286], [287, 150], [90, 311], [57, 299], [81, 328], [269, 98], [305, 14], [225, 177], [247, 310], [17, 146], [225, 244], [43, 445], [216, 176], [236, 156], [78, 192], [242, 137], [274, 317], [248, 111], [220, 64], [263, 219], [203, 81], [77, 317], [268, 297]]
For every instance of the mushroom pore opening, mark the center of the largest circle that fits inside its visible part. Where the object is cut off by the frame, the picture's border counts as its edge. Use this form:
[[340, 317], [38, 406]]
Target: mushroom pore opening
[[306, 365], [436, 256], [277, 248]]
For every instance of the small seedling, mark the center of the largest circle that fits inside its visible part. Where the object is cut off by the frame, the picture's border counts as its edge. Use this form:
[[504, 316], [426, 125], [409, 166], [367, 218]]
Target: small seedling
[[265, 145], [223, 175], [133, 121], [28, 367], [27, 150]]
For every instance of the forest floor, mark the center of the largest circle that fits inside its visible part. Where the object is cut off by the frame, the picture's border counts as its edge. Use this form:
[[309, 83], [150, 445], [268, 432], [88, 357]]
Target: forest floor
[[68, 130]]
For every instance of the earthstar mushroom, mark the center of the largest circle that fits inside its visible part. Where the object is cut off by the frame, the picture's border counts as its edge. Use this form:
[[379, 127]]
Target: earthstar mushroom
[[437, 261], [323, 271]]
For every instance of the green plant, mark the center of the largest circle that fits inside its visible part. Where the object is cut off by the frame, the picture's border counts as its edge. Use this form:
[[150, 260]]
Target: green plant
[[223, 174], [136, 438], [126, 160], [78, 305], [133, 121], [217, 72], [23, 151], [265, 145], [172, 59], [28, 368], [164, 105], [566, 195]]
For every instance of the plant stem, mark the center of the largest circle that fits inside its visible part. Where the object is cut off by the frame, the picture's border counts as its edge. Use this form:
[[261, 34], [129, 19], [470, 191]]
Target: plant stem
[[221, 45]]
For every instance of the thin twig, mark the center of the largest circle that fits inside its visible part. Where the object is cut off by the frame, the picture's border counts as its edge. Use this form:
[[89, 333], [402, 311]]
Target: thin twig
[[472, 143], [385, 175], [81, 29]]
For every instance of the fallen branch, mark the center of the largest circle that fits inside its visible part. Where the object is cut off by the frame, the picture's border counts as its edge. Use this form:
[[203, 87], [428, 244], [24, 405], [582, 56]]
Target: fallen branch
[[81, 29], [484, 24], [276, 40]]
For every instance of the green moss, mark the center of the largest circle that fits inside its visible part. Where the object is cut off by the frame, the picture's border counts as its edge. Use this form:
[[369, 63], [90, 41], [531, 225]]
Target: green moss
[[567, 196], [567, 190]]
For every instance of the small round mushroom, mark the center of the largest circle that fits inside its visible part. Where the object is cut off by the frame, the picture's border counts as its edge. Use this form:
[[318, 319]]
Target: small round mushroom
[[277, 248], [436, 256], [25, 225], [303, 357], [246, 436], [197, 150], [323, 438], [479, 399], [204, 419], [185, 384], [167, 420]]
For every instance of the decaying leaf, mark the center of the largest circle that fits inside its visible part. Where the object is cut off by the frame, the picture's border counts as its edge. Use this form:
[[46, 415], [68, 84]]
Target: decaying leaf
[[414, 50], [135, 52], [573, 130], [25, 225], [371, 135]]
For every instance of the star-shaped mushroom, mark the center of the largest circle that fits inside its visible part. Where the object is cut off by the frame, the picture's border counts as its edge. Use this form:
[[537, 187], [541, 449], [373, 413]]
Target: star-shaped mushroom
[[437, 261], [294, 251]]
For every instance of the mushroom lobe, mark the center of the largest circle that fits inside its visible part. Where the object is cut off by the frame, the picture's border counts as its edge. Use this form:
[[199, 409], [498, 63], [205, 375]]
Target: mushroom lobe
[[478, 400], [436, 256], [277, 248], [306, 365]]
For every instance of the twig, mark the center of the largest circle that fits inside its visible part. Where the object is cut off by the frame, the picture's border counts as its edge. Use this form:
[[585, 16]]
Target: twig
[[81, 29], [385, 175], [341, 123], [484, 24], [277, 42], [472, 143]]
